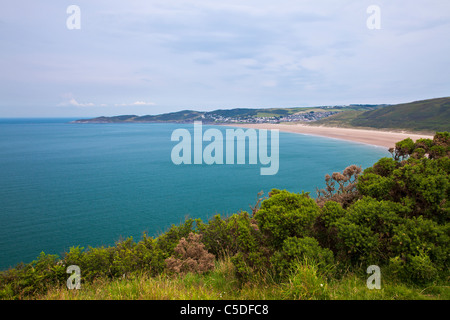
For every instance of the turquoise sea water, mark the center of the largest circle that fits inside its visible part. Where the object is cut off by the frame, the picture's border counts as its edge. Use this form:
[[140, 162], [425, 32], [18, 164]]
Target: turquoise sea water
[[64, 184]]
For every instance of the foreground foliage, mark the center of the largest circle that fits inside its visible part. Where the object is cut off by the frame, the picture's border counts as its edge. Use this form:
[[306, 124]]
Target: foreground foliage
[[394, 214]]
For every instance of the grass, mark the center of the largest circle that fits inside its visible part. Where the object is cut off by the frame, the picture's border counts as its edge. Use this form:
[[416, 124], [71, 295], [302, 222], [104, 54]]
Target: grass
[[306, 283], [341, 119], [426, 116]]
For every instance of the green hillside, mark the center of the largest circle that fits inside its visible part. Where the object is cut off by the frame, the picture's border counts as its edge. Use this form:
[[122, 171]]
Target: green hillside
[[425, 115], [433, 114], [184, 115]]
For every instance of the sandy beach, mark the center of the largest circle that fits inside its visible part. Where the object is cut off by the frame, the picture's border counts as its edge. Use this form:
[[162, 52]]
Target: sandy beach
[[380, 138]]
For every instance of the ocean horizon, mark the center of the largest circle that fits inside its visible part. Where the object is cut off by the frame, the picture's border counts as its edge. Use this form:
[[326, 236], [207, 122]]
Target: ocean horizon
[[64, 184]]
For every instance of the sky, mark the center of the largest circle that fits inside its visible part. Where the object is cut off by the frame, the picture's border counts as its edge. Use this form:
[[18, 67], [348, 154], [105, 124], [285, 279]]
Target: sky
[[156, 56]]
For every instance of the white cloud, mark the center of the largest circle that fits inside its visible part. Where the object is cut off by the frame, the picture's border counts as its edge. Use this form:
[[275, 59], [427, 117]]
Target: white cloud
[[69, 100], [143, 103], [73, 102], [136, 103]]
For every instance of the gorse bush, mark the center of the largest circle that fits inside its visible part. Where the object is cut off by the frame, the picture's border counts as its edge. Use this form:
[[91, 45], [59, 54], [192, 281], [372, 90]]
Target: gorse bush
[[190, 256], [402, 220], [285, 215], [394, 214], [240, 238], [294, 249]]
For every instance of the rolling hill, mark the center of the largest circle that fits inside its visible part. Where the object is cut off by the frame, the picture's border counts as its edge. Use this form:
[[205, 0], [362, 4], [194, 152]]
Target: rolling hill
[[425, 115]]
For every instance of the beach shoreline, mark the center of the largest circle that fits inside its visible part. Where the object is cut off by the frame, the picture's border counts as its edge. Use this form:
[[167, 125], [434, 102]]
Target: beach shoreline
[[380, 138]]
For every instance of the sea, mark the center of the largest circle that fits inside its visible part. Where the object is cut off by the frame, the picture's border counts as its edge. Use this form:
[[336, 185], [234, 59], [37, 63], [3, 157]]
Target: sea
[[65, 184]]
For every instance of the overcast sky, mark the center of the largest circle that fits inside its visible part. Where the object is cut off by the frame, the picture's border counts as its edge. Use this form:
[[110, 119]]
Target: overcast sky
[[156, 56]]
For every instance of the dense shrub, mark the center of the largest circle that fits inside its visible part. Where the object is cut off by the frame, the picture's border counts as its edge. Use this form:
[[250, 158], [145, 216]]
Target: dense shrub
[[215, 236], [436, 148], [364, 232], [421, 184], [419, 235], [331, 212], [416, 269], [376, 186], [296, 249], [384, 167], [126, 257], [190, 256], [239, 237], [33, 278], [167, 241], [285, 215]]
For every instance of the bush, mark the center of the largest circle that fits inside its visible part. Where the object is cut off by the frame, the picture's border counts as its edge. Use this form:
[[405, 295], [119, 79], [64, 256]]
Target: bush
[[33, 278], [421, 184], [403, 149], [426, 184], [385, 167], [96, 263], [416, 269], [129, 257], [364, 233], [298, 249], [215, 236], [167, 241], [376, 186], [325, 230], [285, 215], [190, 256], [356, 243], [244, 272], [238, 237], [414, 236], [331, 212]]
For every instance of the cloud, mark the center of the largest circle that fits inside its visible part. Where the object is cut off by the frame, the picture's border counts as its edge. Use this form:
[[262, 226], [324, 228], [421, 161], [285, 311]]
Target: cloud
[[143, 103], [70, 100], [136, 103], [73, 102]]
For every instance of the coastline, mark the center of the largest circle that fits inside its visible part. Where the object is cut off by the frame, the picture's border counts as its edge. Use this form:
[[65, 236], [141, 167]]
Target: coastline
[[386, 139]]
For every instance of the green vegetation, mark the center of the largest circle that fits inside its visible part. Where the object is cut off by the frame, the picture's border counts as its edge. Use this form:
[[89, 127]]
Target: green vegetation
[[342, 119], [426, 115], [394, 214], [179, 116], [224, 115]]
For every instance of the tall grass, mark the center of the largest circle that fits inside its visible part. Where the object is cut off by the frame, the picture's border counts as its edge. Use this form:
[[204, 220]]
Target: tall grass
[[305, 283]]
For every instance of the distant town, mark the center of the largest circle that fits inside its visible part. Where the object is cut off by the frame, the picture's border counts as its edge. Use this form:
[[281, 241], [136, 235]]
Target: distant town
[[297, 117]]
